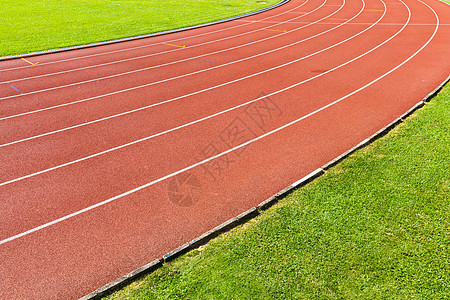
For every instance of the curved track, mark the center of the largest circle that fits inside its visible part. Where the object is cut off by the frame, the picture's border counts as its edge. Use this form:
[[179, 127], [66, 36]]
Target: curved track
[[114, 155]]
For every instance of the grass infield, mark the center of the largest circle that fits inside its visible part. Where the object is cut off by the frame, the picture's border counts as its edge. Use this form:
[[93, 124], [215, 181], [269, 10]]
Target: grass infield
[[376, 226], [36, 25]]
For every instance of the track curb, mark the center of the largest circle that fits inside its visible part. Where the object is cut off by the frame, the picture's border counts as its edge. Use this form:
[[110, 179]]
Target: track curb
[[124, 280], [138, 37]]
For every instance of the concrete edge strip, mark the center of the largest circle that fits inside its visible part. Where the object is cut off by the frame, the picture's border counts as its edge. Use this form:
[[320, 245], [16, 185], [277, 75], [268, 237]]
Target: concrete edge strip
[[252, 212], [284, 192], [124, 280], [142, 36]]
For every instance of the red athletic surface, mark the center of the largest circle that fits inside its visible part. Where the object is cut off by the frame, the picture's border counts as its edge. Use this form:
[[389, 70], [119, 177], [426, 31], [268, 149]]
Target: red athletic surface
[[318, 51]]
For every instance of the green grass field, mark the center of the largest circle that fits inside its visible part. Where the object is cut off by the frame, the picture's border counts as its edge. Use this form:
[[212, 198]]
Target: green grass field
[[376, 226], [35, 25]]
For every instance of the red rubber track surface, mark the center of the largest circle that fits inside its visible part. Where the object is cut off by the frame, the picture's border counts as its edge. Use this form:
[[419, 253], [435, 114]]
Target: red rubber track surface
[[113, 156]]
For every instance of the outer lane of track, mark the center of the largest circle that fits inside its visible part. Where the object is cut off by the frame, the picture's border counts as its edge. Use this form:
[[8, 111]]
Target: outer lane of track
[[145, 224]]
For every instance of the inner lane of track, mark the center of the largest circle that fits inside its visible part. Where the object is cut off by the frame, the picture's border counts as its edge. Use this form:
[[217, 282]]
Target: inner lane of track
[[312, 67]]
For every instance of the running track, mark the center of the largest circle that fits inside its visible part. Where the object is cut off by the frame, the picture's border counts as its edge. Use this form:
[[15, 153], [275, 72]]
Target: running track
[[114, 155]]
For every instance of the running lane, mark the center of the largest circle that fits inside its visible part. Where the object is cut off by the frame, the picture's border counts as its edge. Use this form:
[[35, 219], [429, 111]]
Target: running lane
[[115, 155]]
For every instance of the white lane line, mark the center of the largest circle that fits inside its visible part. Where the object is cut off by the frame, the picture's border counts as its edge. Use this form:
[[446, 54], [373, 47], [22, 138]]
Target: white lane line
[[172, 78], [155, 44], [153, 67], [162, 102], [228, 151], [149, 55], [362, 23], [210, 116]]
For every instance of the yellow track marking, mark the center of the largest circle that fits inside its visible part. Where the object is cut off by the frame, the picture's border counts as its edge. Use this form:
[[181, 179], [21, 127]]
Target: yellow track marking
[[174, 45], [337, 19], [275, 30], [29, 62]]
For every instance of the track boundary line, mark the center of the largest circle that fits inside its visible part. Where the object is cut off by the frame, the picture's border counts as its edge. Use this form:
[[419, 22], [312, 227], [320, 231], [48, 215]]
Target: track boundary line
[[142, 36]]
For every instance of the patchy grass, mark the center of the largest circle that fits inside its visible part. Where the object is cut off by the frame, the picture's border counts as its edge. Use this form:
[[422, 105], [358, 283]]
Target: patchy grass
[[376, 226], [35, 25]]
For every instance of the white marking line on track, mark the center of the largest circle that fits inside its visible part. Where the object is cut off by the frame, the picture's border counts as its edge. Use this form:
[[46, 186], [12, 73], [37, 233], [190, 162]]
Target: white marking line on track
[[167, 79], [172, 78], [230, 150], [169, 100], [362, 23], [149, 55], [156, 44], [216, 114], [176, 77]]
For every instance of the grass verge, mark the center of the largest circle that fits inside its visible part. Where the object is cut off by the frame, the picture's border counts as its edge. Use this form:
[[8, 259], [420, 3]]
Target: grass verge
[[375, 226], [29, 25]]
